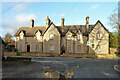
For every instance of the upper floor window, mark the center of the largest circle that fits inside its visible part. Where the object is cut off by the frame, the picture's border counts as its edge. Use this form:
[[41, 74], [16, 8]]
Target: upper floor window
[[92, 45], [21, 37], [98, 48], [38, 37], [78, 36], [51, 47], [51, 36], [68, 36], [98, 36]]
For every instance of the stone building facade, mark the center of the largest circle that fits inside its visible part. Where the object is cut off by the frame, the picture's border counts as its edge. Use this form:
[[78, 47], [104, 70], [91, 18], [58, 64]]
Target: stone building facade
[[63, 39]]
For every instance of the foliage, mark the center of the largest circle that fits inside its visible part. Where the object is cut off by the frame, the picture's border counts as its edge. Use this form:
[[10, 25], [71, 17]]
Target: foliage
[[8, 38], [18, 54], [113, 39]]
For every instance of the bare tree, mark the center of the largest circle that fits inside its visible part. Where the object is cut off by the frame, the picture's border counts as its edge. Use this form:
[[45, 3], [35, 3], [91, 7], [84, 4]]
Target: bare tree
[[115, 22]]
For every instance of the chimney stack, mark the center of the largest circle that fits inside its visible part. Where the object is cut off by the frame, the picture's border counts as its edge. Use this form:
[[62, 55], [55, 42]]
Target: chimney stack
[[47, 21], [87, 22], [62, 24], [31, 23]]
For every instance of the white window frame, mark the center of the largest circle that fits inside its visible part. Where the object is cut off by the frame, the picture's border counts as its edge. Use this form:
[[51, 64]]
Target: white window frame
[[51, 36], [98, 48], [21, 37], [79, 36], [38, 36], [68, 36], [51, 47]]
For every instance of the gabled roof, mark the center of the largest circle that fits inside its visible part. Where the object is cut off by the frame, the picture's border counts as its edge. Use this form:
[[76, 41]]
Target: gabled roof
[[74, 29], [31, 31], [101, 24], [62, 30]]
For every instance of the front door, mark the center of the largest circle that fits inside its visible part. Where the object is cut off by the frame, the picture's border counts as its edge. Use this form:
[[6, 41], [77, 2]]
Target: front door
[[28, 48]]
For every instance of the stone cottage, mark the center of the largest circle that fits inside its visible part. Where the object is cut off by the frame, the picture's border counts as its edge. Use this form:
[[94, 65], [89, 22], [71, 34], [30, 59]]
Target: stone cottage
[[63, 39]]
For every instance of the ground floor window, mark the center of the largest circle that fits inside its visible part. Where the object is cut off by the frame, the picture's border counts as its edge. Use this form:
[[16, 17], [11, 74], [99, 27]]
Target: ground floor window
[[20, 47], [79, 48], [37, 48], [28, 48], [68, 48], [98, 48], [92, 45], [51, 47]]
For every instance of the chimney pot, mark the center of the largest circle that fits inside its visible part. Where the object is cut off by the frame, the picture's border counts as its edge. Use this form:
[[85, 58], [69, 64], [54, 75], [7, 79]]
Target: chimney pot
[[32, 23], [87, 22], [62, 24], [47, 21]]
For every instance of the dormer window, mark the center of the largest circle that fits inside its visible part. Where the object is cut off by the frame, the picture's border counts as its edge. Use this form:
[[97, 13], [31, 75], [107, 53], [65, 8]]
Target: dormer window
[[38, 37], [21, 37], [51, 36], [98, 36], [68, 36], [78, 36]]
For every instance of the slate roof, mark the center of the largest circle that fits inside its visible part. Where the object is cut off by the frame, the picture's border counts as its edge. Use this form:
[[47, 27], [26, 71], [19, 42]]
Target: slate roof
[[74, 29], [30, 31], [63, 30]]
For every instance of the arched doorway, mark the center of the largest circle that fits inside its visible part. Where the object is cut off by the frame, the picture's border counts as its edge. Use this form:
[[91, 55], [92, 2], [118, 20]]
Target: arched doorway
[[28, 48]]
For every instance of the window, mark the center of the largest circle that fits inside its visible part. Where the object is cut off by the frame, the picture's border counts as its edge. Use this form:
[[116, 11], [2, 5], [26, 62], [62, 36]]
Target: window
[[20, 47], [51, 36], [92, 45], [37, 48], [78, 36], [51, 47], [98, 36], [68, 48], [68, 36], [21, 37], [98, 48], [38, 37], [79, 48]]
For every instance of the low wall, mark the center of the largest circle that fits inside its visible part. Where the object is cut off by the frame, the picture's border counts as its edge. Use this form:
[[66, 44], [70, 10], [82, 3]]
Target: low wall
[[39, 54], [10, 54], [56, 55], [30, 54], [91, 55]]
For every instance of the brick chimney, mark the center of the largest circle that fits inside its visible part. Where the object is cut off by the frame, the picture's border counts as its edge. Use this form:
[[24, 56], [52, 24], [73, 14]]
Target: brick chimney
[[87, 23], [62, 24], [31, 23], [47, 21]]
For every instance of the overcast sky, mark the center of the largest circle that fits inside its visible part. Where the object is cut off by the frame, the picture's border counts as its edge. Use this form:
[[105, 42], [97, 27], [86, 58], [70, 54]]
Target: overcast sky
[[18, 14]]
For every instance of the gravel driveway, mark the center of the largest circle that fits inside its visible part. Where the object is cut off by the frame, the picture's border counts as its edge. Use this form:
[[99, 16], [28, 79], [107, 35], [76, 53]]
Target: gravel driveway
[[82, 67]]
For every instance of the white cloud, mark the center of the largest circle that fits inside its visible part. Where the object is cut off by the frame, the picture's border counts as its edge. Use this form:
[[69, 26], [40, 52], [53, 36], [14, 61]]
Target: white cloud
[[62, 14], [19, 6], [94, 6], [20, 20], [23, 18]]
